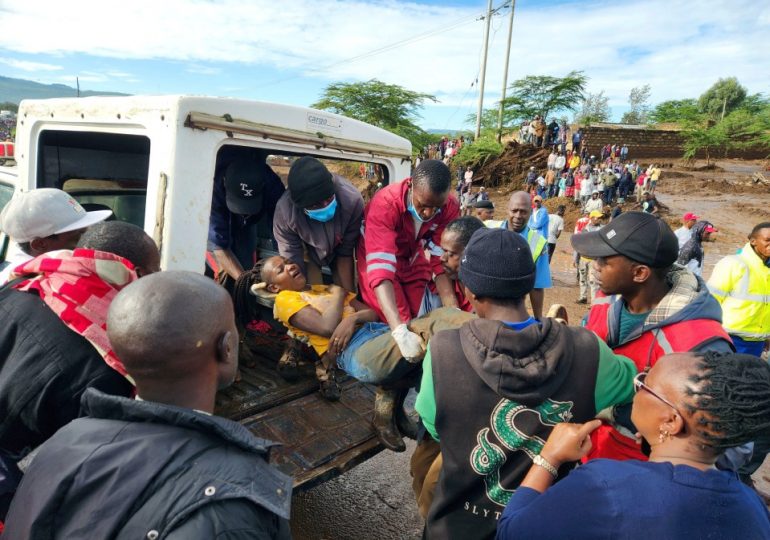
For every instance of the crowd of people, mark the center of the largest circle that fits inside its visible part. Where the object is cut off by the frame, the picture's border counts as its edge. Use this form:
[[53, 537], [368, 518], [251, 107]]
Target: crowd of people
[[111, 366]]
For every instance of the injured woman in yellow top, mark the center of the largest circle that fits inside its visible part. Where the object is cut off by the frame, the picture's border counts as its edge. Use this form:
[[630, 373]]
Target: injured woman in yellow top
[[344, 330]]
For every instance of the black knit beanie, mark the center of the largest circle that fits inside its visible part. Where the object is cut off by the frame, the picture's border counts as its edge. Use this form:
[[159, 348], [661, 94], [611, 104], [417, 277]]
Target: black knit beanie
[[310, 182], [497, 263]]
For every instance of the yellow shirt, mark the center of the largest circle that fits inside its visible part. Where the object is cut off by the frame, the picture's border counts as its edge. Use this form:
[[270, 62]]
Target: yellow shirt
[[289, 303]]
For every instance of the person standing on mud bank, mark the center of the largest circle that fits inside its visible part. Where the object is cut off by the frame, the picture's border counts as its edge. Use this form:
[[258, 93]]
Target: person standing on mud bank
[[519, 212], [538, 126], [691, 255], [588, 286], [577, 138], [555, 228], [485, 209], [684, 233], [319, 216], [647, 307]]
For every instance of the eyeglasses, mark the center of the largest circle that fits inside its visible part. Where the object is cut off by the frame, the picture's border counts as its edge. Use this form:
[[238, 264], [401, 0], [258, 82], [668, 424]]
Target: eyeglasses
[[639, 385]]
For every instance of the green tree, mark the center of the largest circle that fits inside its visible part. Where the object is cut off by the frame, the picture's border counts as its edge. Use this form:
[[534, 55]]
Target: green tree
[[675, 111], [543, 95], [388, 106], [594, 108], [702, 137], [723, 97], [9, 106], [639, 101]]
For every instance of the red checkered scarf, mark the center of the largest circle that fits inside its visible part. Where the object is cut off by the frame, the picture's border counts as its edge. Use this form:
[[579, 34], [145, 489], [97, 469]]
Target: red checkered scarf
[[79, 286]]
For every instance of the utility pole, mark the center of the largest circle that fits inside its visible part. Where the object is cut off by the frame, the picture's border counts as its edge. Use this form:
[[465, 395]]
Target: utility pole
[[505, 74], [77, 82], [724, 108], [483, 70]]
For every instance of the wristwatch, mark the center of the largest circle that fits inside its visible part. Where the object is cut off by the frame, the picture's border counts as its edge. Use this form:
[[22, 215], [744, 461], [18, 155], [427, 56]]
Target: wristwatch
[[541, 462]]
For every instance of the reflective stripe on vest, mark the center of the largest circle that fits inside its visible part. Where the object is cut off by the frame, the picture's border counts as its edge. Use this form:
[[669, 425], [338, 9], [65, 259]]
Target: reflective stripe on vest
[[741, 291], [536, 243], [535, 240], [745, 314]]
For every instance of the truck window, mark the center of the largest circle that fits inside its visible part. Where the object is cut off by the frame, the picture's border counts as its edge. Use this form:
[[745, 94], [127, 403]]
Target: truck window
[[100, 170], [6, 191]]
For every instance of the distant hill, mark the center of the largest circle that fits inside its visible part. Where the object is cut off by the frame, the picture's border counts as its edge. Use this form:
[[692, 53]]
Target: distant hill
[[14, 90]]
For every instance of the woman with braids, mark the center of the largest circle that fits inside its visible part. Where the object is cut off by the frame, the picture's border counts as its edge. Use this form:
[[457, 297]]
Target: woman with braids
[[688, 408], [346, 333]]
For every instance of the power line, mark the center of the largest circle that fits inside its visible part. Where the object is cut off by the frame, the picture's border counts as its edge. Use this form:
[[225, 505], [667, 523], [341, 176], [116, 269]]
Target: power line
[[386, 48]]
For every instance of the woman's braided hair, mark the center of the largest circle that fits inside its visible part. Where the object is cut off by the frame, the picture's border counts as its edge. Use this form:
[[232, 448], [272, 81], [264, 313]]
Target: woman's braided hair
[[730, 399], [243, 302]]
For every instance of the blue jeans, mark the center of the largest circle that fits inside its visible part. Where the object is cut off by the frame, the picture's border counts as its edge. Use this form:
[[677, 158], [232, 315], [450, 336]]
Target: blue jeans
[[357, 367]]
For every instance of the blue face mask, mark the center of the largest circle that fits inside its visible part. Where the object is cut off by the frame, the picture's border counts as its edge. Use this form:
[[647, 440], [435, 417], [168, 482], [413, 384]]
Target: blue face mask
[[323, 214], [417, 216]]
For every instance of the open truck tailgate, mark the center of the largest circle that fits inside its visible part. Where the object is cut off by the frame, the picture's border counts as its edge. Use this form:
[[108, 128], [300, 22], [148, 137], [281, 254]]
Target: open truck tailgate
[[320, 439]]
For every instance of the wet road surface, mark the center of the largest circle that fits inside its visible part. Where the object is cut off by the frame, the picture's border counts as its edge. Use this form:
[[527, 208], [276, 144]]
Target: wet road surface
[[374, 501]]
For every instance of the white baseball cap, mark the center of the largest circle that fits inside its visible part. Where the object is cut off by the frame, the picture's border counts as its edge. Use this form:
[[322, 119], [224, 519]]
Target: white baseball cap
[[44, 212]]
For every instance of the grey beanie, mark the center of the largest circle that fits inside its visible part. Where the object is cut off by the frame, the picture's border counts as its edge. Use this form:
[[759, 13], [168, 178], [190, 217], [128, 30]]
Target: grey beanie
[[497, 263]]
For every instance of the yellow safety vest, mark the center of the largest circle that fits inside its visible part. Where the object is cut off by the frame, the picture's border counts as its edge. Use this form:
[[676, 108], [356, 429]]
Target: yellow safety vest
[[741, 284], [535, 240]]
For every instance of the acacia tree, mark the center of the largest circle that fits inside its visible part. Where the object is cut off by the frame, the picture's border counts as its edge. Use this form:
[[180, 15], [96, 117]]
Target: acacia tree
[[723, 97], [638, 100], [543, 95], [675, 111], [388, 106], [594, 108]]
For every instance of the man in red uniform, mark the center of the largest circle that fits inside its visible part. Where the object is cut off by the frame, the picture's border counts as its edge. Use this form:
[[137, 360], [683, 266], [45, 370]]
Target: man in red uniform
[[647, 307], [400, 223]]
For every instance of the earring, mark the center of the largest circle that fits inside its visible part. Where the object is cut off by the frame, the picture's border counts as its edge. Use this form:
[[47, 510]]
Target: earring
[[663, 435]]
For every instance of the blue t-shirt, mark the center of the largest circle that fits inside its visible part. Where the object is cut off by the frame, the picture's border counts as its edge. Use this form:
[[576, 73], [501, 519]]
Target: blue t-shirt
[[634, 499], [519, 326]]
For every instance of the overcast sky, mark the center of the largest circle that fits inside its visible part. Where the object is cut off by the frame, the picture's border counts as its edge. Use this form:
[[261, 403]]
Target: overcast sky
[[288, 51]]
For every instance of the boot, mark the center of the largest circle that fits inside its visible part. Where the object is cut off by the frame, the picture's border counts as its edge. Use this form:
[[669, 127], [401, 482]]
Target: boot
[[327, 380], [406, 422], [288, 364], [384, 420]]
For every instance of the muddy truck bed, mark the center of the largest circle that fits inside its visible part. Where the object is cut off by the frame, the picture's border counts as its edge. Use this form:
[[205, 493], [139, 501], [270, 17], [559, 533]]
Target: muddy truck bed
[[320, 439]]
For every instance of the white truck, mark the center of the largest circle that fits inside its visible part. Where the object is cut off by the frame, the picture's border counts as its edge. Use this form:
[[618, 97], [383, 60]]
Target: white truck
[[152, 161]]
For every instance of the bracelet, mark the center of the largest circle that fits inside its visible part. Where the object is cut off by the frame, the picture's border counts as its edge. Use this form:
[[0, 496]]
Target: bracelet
[[542, 462]]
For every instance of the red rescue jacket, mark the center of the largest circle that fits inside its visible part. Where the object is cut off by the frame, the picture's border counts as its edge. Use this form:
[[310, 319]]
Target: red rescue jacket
[[391, 250], [645, 351]]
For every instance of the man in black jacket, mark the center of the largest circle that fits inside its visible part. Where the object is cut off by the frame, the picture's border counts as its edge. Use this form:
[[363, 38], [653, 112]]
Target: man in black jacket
[[159, 466], [45, 366], [503, 381]]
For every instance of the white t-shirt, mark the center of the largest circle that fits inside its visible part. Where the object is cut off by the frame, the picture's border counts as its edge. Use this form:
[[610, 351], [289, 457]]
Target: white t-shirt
[[594, 204], [683, 234], [555, 223]]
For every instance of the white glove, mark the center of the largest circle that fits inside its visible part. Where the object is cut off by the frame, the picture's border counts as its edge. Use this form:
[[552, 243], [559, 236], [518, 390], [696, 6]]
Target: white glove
[[410, 344]]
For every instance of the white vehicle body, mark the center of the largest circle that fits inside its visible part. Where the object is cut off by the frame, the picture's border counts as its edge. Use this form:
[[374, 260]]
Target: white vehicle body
[[166, 147]]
